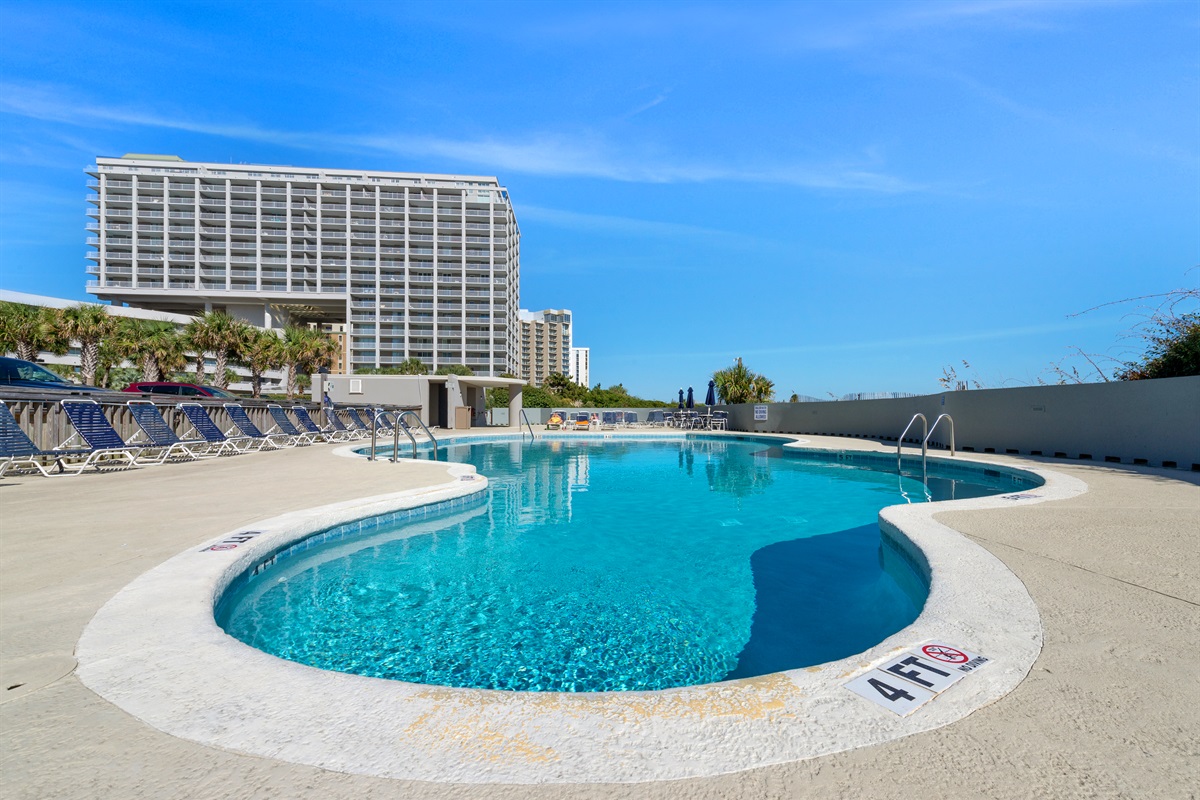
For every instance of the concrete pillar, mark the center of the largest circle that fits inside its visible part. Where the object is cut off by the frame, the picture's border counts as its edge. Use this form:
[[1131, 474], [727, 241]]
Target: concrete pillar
[[516, 402], [454, 400], [479, 403]]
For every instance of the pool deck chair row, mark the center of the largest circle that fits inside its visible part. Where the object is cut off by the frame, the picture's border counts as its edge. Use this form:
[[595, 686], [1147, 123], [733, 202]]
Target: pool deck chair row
[[95, 444], [306, 423], [154, 432], [17, 451], [204, 427], [337, 427], [243, 426], [285, 427]]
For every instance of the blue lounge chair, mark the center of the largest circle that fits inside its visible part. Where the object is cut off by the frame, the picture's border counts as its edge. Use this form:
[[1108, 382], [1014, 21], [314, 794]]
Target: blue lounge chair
[[337, 427], [246, 427], [94, 429], [307, 424], [655, 419], [385, 423], [207, 430], [608, 420], [154, 433], [387, 420], [285, 426], [338, 423], [356, 423], [631, 418], [17, 450]]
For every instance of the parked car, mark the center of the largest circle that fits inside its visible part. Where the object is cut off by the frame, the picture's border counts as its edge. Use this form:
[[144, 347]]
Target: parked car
[[184, 389], [21, 374]]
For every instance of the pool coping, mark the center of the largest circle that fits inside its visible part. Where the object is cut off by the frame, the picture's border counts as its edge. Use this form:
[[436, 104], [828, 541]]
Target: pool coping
[[209, 688]]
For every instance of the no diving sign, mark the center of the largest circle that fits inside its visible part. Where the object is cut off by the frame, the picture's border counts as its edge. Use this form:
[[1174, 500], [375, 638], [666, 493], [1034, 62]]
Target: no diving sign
[[912, 679]]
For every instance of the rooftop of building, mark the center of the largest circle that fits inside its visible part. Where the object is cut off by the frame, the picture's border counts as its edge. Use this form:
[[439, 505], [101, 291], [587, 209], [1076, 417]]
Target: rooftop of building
[[177, 165]]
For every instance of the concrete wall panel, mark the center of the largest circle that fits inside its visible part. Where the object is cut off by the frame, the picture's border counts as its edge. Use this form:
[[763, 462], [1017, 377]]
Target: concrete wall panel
[[1155, 422]]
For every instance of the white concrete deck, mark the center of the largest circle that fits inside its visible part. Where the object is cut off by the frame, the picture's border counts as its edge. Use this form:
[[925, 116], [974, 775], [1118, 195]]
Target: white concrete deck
[[1109, 708]]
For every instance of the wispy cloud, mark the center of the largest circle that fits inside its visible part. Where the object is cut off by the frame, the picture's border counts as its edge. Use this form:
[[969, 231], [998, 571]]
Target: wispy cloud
[[1110, 139], [577, 155], [645, 106], [798, 27]]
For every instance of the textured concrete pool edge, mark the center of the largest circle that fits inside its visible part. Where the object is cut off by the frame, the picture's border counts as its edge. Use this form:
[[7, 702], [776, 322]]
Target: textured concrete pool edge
[[398, 730]]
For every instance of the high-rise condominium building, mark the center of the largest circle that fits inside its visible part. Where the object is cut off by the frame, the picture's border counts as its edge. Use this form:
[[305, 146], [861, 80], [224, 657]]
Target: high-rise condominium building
[[417, 265], [545, 344], [581, 372]]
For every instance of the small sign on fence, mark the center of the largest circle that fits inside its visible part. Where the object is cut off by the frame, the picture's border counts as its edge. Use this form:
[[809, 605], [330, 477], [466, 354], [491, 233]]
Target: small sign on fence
[[760, 413]]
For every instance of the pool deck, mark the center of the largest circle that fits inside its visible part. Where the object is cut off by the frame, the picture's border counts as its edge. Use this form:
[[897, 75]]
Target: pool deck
[[1110, 709]]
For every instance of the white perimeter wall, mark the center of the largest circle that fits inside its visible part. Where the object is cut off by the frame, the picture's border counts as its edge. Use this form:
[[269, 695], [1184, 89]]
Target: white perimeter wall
[[1153, 421]]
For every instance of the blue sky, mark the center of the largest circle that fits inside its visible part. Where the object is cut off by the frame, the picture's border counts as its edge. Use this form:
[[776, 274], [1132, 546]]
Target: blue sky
[[849, 196]]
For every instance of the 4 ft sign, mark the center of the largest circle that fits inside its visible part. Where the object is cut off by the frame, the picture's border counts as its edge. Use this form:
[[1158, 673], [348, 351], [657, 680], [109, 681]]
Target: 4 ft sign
[[912, 679]]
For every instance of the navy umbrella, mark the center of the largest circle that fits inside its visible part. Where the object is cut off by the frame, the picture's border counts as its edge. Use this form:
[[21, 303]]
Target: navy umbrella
[[691, 401], [681, 399], [710, 399]]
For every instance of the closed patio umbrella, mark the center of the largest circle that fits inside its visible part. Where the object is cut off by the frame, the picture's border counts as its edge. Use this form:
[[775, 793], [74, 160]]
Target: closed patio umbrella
[[710, 399], [691, 401], [681, 399]]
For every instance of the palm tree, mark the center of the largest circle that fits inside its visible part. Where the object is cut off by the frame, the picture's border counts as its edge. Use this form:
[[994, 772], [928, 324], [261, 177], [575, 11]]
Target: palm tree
[[259, 351], [87, 324], [738, 384], [218, 333], [413, 366], [28, 330], [305, 349], [163, 346], [141, 341]]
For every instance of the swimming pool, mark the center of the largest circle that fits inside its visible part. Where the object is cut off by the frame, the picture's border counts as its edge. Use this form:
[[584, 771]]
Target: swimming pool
[[210, 688], [609, 564]]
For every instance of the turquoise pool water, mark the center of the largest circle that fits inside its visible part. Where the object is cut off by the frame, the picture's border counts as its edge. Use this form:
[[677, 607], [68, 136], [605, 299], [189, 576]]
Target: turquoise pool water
[[607, 565]]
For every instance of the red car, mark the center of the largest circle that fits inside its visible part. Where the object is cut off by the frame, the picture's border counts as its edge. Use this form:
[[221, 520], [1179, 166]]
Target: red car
[[184, 389]]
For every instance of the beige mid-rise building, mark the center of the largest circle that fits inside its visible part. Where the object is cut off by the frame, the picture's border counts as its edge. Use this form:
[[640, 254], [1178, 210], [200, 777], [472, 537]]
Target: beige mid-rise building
[[545, 344]]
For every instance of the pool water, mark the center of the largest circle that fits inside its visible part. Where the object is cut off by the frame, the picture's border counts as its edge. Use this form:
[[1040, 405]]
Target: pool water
[[606, 566]]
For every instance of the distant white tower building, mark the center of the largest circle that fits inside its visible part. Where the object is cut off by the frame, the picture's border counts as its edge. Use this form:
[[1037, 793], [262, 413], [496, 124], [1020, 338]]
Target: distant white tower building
[[580, 370]]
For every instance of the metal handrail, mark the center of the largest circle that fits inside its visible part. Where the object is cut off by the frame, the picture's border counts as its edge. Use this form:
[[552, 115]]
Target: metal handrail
[[924, 437], [399, 426], [529, 425], [376, 413], [374, 427], [420, 422], [933, 428]]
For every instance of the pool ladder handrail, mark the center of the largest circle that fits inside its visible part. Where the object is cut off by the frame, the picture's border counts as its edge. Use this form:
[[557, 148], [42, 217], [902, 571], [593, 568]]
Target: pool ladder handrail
[[400, 423], [950, 420], [375, 417], [528, 424], [924, 439], [395, 436]]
